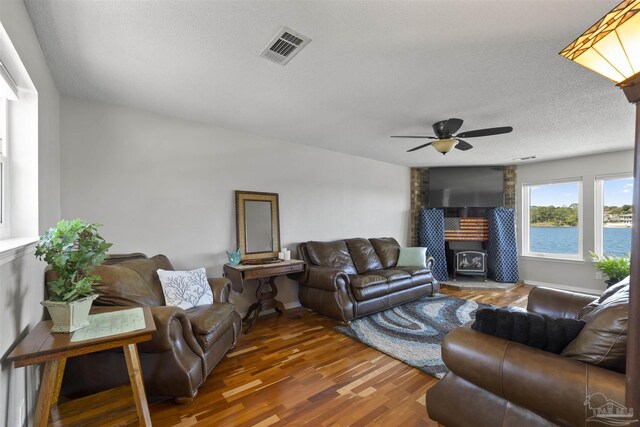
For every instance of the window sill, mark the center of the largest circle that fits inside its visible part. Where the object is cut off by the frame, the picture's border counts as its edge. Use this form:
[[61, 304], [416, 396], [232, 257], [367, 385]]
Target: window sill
[[553, 259], [11, 249]]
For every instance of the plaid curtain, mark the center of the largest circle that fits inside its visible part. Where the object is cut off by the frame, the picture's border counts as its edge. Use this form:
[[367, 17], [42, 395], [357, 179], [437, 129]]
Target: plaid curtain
[[431, 236], [502, 248]]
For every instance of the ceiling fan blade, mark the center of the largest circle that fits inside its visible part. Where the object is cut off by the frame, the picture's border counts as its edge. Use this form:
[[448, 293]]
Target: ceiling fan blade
[[419, 147], [463, 145], [485, 132], [446, 128], [413, 136]]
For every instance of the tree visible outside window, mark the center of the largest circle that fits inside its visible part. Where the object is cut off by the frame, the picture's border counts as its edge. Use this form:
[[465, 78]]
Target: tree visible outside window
[[552, 219]]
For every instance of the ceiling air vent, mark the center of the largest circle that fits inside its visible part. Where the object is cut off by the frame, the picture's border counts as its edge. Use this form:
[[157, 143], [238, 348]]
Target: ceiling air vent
[[284, 46]]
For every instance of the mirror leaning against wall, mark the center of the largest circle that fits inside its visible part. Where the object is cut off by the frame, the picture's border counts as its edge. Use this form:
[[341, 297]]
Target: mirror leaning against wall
[[257, 224]]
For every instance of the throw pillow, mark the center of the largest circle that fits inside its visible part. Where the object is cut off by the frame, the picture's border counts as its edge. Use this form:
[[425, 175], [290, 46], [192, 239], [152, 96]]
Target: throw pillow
[[185, 289], [412, 257], [603, 341], [535, 330]]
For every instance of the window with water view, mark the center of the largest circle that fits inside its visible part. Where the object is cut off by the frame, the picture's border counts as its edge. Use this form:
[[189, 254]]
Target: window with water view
[[613, 220], [553, 218]]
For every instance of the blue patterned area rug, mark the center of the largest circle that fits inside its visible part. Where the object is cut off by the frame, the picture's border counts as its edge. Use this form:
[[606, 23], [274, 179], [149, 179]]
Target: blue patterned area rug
[[413, 332]]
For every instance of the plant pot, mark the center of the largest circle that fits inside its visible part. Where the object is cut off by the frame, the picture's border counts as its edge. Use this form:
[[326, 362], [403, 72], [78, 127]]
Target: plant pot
[[611, 282], [69, 316]]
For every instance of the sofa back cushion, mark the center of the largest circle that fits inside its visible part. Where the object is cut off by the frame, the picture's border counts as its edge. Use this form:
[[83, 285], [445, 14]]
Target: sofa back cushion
[[122, 286], [603, 341], [388, 250], [331, 254], [363, 255], [624, 283]]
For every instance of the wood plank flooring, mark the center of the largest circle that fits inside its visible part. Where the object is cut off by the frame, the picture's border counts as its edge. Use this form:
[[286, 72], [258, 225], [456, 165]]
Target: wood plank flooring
[[292, 372]]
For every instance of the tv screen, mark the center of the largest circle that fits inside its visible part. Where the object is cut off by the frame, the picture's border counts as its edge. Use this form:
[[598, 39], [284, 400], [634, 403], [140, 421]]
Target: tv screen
[[460, 187]]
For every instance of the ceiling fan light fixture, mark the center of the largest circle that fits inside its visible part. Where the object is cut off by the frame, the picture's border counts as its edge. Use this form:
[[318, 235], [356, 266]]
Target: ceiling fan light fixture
[[444, 145]]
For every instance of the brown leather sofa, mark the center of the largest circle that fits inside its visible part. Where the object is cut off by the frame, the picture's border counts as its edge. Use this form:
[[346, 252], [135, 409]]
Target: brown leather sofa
[[347, 279], [495, 382], [186, 346]]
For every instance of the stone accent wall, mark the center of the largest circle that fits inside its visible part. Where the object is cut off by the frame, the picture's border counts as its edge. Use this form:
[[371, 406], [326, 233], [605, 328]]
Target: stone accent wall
[[419, 200], [510, 173], [420, 195]]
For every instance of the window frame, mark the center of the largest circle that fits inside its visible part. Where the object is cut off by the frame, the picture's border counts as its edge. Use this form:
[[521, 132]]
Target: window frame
[[4, 169], [598, 206], [526, 227]]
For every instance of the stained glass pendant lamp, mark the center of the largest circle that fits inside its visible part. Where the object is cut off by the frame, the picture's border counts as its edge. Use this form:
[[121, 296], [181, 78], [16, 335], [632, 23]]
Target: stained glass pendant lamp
[[611, 47]]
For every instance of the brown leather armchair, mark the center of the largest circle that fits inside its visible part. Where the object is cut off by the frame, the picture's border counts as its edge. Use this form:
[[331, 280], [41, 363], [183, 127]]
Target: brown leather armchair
[[495, 382], [185, 348]]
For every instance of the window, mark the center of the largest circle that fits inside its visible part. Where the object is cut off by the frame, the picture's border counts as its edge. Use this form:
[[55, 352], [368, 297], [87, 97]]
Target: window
[[3, 168], [552, 219], [613, 214]]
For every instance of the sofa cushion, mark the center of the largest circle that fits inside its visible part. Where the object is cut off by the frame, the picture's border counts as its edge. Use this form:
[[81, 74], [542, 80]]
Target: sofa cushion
[[414, 271], [388, 250], [603, 341], [411, 257], [120, 285], [186, 289], [390, 274], [362, 281], [147, 269], [210, 322], [624, 283], [363, 255], [331, 254]]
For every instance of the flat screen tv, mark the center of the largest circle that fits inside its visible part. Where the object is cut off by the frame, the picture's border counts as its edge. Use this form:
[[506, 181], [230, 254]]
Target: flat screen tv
[[460, 187]]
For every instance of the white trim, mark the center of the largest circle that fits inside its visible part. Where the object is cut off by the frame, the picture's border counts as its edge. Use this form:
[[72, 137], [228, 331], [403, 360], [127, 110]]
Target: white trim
[[11, 249], [579, 289], [598, 207], [526, 228], [556, 259], [287, 306]]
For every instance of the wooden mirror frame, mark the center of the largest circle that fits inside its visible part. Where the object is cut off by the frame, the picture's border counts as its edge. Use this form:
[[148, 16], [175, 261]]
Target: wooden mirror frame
[[241, 237]]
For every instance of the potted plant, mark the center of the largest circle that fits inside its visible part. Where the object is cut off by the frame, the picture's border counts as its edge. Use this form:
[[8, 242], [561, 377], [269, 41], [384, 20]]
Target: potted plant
[[73, 248], [615, 267]]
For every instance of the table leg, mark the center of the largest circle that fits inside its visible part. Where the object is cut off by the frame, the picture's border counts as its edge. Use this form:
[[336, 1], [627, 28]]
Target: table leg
[[49, 390], [137, 384]]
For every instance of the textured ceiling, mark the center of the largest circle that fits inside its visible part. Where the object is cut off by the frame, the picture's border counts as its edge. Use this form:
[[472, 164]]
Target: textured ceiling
[[373, 69]]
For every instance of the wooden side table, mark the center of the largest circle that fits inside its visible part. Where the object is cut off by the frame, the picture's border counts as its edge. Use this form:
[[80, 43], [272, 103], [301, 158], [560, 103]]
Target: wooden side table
[[42, 346], [267, 290]]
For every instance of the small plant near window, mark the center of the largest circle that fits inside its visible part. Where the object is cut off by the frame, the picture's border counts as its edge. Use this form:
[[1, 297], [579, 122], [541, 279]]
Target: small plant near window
[[615, 267], [73, 248]]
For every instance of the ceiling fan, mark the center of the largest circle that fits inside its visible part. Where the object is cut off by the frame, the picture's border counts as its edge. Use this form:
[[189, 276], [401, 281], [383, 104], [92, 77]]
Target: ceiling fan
[[445, 139]]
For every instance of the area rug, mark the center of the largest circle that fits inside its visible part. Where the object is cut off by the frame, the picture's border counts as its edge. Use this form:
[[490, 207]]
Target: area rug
[[413, 332]]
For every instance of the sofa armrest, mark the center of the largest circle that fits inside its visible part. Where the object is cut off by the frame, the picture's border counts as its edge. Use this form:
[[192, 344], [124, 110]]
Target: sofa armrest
[[325, 278], [550, 385], [173, 332], [429, 263], [557, 303], [221, 288]]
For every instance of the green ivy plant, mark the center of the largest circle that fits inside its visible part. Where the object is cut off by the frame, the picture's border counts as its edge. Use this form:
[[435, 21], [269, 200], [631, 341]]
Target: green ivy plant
[[73, 248], [615, 267]]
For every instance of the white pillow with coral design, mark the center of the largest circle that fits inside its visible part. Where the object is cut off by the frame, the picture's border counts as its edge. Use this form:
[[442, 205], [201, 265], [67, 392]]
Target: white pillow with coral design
[[185, 289]]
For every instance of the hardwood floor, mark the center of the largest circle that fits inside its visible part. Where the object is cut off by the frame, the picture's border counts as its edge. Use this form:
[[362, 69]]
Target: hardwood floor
[[290, 372]]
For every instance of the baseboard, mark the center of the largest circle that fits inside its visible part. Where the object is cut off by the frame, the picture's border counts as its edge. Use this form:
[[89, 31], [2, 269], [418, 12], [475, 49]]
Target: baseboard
[[589, 291]]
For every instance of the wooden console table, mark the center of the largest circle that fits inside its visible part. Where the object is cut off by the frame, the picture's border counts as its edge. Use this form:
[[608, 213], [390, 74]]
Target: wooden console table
[[40, 345], [267, 290]]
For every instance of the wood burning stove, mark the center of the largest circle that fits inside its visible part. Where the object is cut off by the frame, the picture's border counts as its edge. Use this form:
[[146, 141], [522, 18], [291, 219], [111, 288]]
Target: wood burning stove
[[468, 258]]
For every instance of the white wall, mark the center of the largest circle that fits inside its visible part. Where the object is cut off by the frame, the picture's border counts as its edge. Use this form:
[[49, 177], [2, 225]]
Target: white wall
[[579, 275], [166, 185], [21, 276]]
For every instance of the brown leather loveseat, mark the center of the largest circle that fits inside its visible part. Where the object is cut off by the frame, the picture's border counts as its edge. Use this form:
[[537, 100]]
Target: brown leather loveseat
[[347, 279], [186, 346], [495, 382]]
